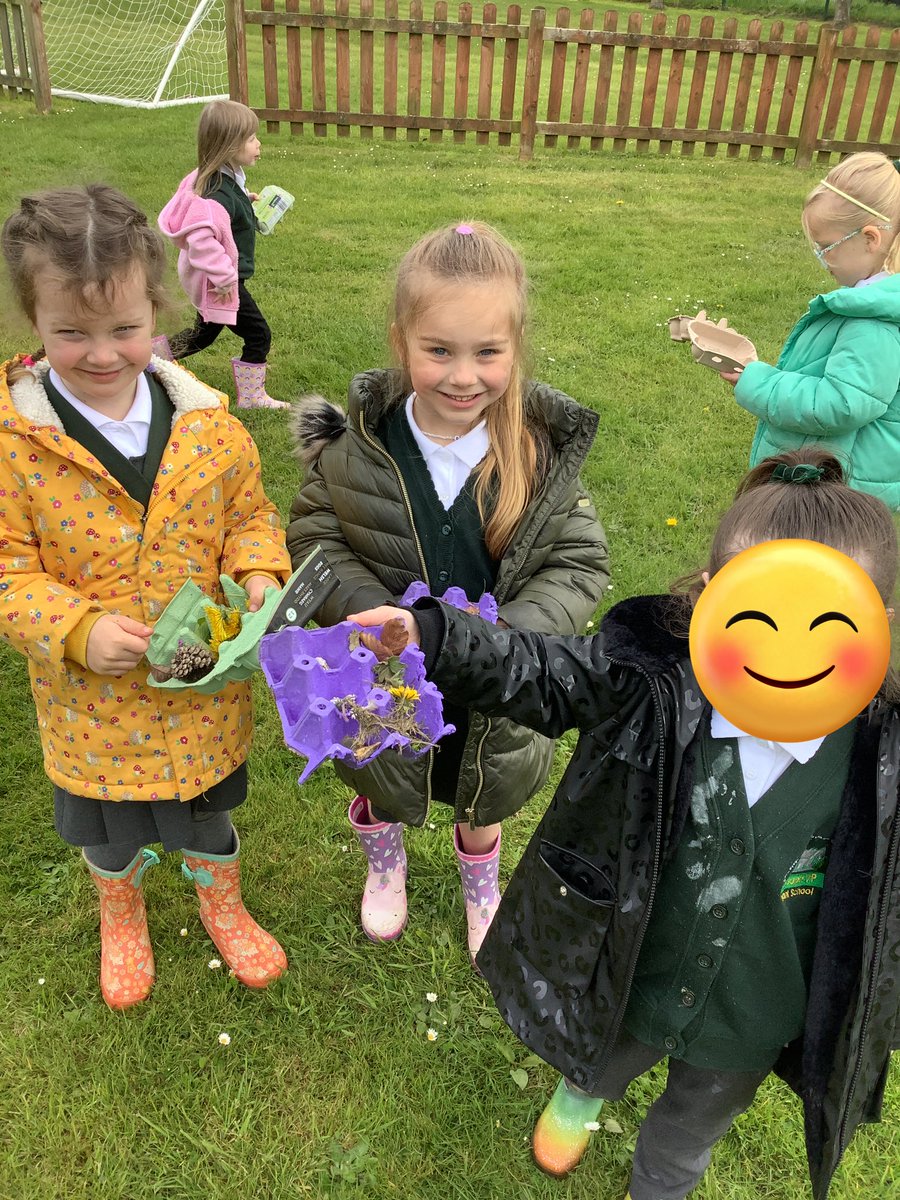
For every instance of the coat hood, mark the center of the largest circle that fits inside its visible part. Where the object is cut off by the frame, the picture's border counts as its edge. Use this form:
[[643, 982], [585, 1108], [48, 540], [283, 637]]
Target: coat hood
[[879, 301], [32, 406], [316, 421], [187, 212]]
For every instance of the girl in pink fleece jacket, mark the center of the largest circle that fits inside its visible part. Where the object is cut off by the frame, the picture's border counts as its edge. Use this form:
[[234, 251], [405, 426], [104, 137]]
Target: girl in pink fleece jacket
[[211, 221]]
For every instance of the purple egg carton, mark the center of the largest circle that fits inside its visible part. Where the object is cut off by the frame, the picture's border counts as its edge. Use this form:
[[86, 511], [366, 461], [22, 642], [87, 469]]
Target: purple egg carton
[[307, 670], [486, 604]]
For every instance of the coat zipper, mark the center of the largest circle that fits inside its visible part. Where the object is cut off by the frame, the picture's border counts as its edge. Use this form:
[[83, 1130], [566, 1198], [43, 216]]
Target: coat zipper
[[657, 859], [535, 525], [873, 974], [409, 512]]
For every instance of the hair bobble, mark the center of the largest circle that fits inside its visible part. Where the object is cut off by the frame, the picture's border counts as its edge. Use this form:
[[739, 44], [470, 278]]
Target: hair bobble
[[801, 473], [465, 230]]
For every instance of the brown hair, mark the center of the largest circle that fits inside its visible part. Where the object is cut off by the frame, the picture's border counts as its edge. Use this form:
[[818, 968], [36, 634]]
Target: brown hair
[[224, 127], [873, 179], [507, 477], [91, 237], [824, 510]]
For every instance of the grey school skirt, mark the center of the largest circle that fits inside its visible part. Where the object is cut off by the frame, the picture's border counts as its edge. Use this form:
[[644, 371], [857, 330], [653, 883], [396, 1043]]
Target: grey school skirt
[[81, 821]]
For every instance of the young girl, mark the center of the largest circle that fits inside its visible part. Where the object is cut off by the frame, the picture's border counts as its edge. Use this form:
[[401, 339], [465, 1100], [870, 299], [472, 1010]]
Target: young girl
[[211, 221], [652, 915], [121, 479], [457, 471], [838, 378]]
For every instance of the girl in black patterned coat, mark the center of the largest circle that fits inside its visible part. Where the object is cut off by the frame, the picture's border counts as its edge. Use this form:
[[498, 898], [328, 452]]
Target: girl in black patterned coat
[[658, 910]]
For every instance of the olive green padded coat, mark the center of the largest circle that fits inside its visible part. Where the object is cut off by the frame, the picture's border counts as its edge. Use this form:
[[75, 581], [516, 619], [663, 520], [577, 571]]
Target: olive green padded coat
[[355, 505]]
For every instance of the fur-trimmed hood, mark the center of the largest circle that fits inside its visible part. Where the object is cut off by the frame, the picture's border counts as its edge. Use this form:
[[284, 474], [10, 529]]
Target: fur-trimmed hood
[[315, 421], [32, 405]]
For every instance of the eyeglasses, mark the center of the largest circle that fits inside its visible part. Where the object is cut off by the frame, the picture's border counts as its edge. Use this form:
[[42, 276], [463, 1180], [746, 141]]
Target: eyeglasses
[[821, 251]]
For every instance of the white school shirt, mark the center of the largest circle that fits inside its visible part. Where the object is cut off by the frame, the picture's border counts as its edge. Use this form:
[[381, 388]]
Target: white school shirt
[[762, 762], [238, 174], [451, 465], [872, 279], [130, 435]]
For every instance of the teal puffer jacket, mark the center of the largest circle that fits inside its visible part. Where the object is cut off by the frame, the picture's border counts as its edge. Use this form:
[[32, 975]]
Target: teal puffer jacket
[[837, 382], [354, 503]]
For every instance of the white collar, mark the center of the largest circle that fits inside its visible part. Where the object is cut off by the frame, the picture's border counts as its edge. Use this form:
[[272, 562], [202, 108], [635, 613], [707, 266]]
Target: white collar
[[140, 413], [470, 449], [238, 174], [801, 752], [872, 279]]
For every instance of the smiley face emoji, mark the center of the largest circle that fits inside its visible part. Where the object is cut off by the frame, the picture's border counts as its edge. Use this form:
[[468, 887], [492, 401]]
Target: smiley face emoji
[[790, 640]]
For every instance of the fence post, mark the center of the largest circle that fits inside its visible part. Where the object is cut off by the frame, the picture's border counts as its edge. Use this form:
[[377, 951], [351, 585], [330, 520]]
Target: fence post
[[815, 96], [40, 74], [532, 87], [236, 50]]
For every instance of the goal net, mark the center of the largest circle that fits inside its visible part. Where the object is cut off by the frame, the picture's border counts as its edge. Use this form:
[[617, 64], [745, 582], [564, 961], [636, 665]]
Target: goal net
[[144, 53]]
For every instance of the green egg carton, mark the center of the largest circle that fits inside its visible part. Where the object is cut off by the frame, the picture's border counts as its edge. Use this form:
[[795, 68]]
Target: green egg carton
[[271, 206]]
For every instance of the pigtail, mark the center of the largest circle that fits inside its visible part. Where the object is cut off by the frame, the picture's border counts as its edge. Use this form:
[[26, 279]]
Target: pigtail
[[90, 236]]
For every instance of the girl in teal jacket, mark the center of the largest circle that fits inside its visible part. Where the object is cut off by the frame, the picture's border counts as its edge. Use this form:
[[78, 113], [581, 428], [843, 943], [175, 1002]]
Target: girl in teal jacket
[[837, 380]]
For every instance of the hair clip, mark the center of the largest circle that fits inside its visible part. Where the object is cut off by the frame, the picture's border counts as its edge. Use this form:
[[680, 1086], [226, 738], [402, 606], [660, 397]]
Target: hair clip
[[465, 230], [27, 360], [801, 473]]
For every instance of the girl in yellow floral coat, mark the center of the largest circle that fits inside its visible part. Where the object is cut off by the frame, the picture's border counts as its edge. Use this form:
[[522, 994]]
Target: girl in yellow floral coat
[[122, 476]]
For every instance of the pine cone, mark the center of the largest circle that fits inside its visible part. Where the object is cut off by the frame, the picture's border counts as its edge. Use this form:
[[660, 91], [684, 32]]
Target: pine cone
[[191, 662]]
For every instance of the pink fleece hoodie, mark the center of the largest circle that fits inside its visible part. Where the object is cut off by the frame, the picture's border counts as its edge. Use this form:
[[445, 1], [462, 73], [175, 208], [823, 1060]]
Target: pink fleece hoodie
[[208, 258]]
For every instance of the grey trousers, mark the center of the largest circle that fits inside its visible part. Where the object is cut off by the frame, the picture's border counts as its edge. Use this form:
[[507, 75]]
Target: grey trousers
[[212, 833], [677, 1135]]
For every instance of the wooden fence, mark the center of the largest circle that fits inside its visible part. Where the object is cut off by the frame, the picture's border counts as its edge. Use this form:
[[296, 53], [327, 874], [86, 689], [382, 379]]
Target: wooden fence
[[811, 94], [23, 58]]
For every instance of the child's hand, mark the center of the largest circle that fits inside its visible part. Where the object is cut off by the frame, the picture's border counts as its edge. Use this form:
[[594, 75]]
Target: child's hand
[[730, 376], [256, 587], [116, 644], [224, 292], [378, 616], [254, 196]]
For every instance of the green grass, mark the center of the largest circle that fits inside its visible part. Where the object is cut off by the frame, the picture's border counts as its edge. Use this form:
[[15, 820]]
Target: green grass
[[329, 1079]]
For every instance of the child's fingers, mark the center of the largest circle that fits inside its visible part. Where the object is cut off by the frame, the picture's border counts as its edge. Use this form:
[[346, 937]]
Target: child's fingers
[[378, 616], [129, 625], [384, 613]]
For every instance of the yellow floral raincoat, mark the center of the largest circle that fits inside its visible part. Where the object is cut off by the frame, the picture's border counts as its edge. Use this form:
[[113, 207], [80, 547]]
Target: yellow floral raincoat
[[74, 544]]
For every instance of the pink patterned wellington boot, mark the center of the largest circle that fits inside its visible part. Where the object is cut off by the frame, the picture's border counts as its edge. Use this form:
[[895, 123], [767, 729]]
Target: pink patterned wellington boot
[[383, 911], [481, 890], [250, 383], [127, 969], [159, 345]]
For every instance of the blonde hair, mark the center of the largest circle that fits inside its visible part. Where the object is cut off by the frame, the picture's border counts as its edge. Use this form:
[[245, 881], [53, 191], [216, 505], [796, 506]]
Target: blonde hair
[[874, 180], [507, 477], [224, 127], [90, 237]]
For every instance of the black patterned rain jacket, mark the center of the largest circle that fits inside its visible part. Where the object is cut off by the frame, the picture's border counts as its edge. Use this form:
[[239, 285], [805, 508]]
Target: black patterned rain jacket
[[562, 949]]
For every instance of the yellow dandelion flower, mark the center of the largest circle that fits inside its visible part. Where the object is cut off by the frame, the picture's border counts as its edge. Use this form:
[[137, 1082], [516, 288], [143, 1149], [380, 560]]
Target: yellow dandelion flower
[[671, 520], [223, 626], [404, 693]]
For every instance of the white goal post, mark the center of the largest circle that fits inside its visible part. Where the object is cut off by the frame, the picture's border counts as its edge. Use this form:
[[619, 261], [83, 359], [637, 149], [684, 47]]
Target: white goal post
[[140, 53]]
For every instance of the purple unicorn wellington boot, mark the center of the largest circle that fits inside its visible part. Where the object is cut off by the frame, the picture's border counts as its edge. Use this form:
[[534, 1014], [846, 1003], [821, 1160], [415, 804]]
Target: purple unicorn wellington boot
[[383, 912], [481, 890]]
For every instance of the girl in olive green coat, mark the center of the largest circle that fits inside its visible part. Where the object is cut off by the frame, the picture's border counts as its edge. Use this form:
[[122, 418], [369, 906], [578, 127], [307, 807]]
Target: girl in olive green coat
[[457, 472]]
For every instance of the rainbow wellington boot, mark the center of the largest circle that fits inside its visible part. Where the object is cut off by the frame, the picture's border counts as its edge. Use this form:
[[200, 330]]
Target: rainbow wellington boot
[[564, 1129]]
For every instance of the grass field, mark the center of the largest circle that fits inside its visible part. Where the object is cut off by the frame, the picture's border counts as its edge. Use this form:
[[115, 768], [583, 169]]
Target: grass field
[[329, 1087]]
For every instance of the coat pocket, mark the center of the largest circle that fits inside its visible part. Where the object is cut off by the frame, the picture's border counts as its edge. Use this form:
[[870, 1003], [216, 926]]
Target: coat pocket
[[565, 912]]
